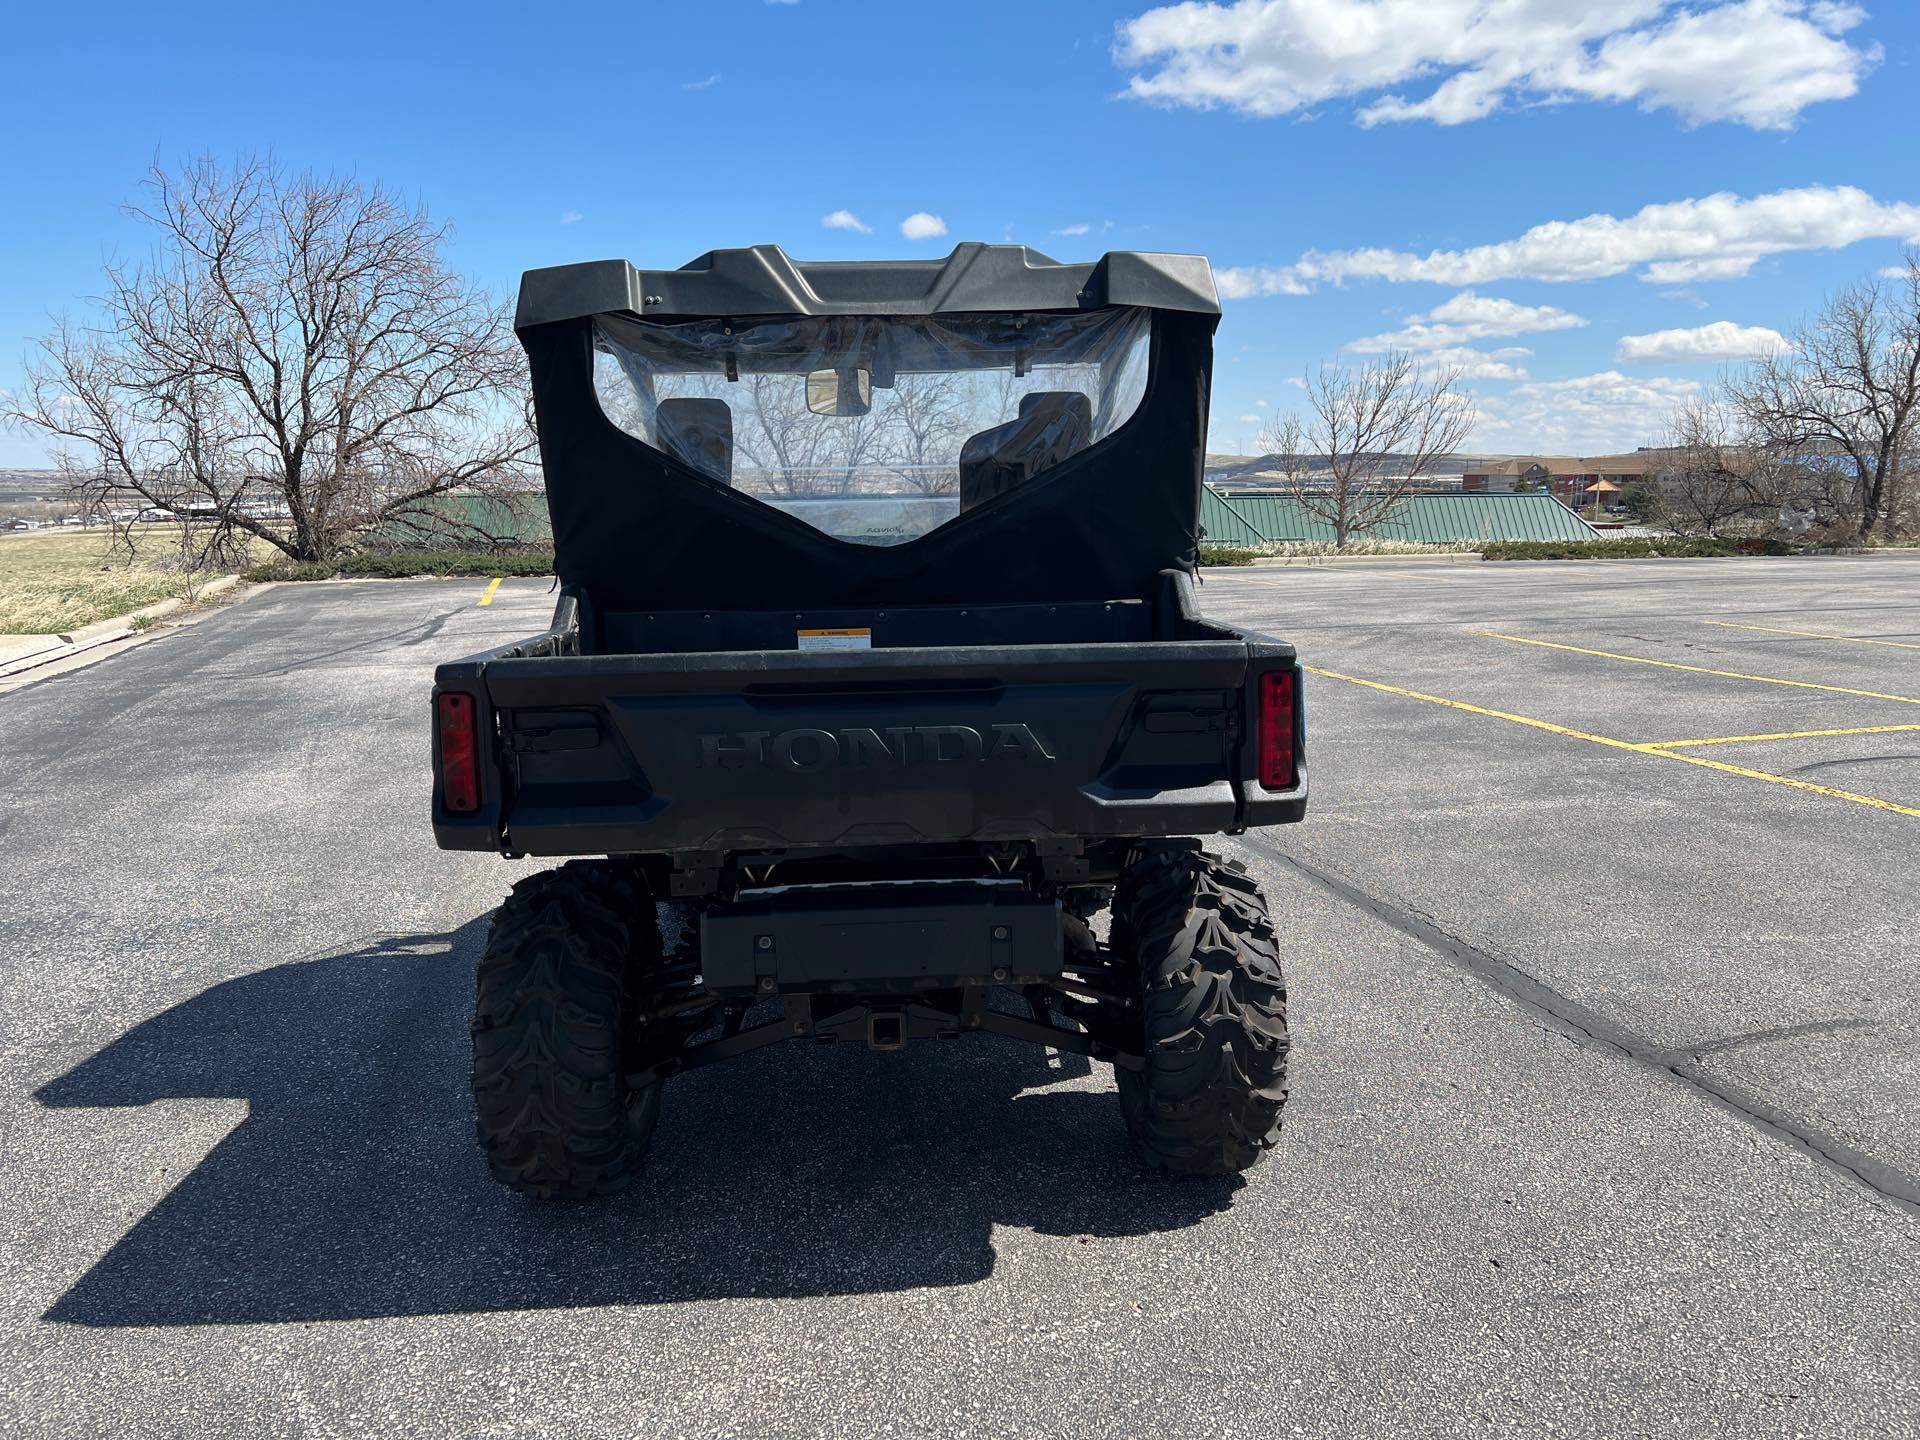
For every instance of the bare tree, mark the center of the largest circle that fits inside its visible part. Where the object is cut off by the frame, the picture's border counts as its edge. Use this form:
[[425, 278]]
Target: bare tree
[[293, 362], [928, 415], [1846, 397], [1366, 434], [858, 442], [1710, 479], [790, 446]]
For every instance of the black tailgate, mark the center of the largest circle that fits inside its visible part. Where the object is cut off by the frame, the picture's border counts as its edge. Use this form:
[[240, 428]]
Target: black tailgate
[[767, 749]]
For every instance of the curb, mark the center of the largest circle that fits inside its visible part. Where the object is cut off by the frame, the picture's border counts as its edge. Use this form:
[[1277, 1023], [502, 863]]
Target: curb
[[1451, 557], [101, 633], [1884, 552]]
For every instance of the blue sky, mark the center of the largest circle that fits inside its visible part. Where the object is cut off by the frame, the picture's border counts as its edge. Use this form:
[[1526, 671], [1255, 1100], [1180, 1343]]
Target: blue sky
[[1361, 172]]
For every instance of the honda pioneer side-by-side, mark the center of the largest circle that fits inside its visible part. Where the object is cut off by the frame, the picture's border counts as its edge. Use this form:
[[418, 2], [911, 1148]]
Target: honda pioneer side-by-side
[[876, 658]]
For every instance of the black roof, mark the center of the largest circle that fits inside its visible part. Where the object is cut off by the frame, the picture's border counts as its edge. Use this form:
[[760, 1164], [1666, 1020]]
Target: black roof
[[762, 280]]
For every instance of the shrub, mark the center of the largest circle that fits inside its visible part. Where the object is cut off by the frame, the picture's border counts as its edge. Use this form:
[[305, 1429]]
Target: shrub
[[402, 564], [1364, 545], [411, 564], [1226, 555], [292, 570], [1630, 548]]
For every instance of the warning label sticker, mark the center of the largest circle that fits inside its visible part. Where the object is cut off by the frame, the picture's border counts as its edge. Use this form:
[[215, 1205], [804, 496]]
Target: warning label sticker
[[836, 639]]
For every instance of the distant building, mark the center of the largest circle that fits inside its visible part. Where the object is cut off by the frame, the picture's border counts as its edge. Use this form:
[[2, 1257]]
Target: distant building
[[1570, 477], [1258, 517]]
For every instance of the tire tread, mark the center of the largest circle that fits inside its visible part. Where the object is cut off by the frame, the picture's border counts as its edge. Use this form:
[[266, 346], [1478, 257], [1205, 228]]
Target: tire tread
[[564, 958], [1214, 1010]]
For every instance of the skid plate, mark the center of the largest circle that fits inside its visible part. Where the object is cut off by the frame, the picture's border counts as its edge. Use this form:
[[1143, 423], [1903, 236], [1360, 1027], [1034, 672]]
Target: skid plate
[[879, 939]]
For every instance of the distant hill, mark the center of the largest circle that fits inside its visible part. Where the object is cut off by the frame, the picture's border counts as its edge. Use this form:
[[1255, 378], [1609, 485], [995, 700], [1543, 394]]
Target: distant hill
[[31, 485], [1263, 471]]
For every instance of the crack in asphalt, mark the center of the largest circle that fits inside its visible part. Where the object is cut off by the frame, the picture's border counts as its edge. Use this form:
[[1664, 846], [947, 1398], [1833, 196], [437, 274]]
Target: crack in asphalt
[[1594, 1031], [1850, 760], [1764, 1037]]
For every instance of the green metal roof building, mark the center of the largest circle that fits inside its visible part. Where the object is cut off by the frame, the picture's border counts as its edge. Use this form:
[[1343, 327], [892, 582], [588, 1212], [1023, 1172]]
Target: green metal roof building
[[1242, 517], [1249, 517]]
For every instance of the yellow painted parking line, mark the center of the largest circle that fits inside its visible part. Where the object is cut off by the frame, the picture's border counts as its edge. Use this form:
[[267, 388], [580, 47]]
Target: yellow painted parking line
[[1701, 669], [1869, 800], [1789, 781], [1816, 634], [487, 599], [1779, 735], [1221, 575], [1269, 573], [1546, 725]]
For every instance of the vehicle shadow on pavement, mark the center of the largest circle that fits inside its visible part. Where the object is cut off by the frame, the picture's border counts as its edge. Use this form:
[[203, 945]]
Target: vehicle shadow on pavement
[[354, 1188]]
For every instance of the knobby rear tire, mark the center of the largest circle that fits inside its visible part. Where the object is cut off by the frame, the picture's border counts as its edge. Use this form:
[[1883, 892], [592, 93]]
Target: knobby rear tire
[[568, 956], [1214, 1009]]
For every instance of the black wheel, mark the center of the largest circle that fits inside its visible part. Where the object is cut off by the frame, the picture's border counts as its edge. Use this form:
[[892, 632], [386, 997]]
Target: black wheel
[[570, 954], [1214, 1008]]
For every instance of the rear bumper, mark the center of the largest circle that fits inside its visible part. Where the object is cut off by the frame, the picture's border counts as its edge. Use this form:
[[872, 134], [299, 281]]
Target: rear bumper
[[760, 752], [880, 939]]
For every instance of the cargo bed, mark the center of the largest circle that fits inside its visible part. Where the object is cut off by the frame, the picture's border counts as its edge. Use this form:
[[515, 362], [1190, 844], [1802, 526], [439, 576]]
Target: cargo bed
[[1116, 719]]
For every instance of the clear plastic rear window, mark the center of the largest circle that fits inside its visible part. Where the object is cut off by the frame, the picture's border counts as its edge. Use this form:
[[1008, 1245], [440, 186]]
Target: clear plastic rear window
[[875, 430]]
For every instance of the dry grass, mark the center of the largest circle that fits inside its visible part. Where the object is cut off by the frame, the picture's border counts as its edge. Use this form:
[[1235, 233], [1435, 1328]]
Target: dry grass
[[54, 581], [1361, 545]]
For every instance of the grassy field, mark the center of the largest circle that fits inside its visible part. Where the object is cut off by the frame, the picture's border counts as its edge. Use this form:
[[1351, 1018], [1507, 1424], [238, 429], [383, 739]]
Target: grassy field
[[53, 581]]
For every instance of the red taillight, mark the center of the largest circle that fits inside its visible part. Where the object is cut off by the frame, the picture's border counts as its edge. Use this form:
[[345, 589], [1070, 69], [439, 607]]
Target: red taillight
[[459, 765], [1278, 770]]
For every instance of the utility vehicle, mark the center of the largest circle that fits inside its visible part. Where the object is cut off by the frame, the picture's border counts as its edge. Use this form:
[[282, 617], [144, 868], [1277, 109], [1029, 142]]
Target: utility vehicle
[[875, 669]]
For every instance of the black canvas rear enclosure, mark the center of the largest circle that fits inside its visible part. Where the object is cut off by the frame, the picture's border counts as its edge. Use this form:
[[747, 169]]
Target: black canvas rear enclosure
[[1039, 490]]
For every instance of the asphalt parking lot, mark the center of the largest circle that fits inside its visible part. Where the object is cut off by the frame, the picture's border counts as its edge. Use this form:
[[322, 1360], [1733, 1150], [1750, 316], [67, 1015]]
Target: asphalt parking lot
[[1604, 1091]]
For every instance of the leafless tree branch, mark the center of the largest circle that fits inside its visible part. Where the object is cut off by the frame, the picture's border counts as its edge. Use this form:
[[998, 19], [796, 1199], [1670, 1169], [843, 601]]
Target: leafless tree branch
[[1844, 399], [1366, 433], [292, 362]]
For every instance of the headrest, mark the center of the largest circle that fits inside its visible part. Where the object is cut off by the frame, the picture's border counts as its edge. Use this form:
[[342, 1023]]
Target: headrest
[[699, 432], [1052, 425], [1071, 403]]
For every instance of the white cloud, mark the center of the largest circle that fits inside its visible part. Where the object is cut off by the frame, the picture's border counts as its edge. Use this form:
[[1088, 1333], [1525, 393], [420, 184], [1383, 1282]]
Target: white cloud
[[1260, 404], [1754, 62], [1466, 317], [571, 217], [1243, 282], [1073, 230], [1893, 272], [1588, 415], [1249, 419], [1715, 237], [1685, 297], [1722, 340], [1477, 364], [706, 84], [922, 226], [844, 219]]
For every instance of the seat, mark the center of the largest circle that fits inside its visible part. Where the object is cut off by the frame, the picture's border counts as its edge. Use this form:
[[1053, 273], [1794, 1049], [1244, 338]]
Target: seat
[[697, 432], [1051, 425]]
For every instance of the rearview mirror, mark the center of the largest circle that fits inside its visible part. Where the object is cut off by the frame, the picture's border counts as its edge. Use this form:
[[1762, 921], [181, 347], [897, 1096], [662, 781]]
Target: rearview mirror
[[840, 392]]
